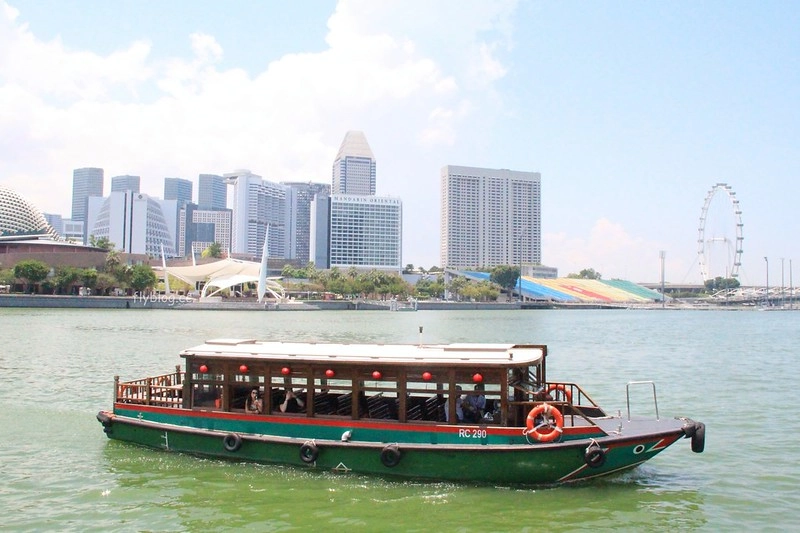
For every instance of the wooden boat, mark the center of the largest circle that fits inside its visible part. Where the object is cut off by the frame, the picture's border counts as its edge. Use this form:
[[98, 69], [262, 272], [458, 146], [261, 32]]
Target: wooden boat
[[385, 409]]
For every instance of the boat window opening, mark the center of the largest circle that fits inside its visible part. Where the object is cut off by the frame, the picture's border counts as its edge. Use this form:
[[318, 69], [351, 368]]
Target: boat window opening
[[206, 395], [378, 397]]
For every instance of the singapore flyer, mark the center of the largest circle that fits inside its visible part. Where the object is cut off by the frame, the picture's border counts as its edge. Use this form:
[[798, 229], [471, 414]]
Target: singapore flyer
[[719, 239]]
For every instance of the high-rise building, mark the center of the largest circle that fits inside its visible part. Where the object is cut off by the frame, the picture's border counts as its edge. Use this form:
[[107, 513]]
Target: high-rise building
[[125, 183], [178, 189], [354, 167], [365, 232], [136, 223], [200, 228], [212, 193], [490, 217], [86, 183], [56, 222], [259, 207], [298, 217]]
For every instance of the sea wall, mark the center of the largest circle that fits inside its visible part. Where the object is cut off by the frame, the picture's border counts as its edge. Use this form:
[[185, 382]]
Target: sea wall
[[181, 302]]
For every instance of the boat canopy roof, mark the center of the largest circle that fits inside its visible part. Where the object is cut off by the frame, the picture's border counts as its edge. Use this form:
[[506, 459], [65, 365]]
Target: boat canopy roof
[[446, 354]]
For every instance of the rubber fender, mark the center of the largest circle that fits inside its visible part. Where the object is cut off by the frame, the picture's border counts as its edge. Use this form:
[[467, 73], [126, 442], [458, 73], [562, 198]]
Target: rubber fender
[[309, 452], [232, 442], [699, 438]]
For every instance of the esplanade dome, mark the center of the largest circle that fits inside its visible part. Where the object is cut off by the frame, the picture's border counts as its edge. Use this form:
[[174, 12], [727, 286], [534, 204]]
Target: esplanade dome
[[18, 217]]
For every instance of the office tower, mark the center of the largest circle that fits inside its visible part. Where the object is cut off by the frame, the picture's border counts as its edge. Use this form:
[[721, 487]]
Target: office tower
[[136, 223], [56, 222], [354, 166], [258, 206], [200, 228], [212, 193], [365, 232], [490, 217], [298, 217], [86, 183], [125, 183], [178, 189]]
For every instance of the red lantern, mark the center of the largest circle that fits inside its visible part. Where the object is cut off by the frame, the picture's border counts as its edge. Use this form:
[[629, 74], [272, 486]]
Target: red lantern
[[427, 376], [203, 369], [329, 373], [477, 378], [377, 375], [286, 371], [243, 369]]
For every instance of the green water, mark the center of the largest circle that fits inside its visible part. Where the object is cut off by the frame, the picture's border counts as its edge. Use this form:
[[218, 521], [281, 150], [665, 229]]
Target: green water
[[735, 371]]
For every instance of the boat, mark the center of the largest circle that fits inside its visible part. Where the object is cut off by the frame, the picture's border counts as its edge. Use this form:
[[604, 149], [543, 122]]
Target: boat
[[385, 409]]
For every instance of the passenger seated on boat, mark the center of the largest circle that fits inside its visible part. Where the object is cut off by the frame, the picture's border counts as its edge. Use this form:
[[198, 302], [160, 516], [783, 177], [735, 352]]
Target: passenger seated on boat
[[474, 405], [292, 402], [459, 406], [253, 403]]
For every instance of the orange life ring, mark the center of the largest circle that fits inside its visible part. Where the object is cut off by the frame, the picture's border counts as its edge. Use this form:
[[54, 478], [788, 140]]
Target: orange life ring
[[540, 432], [560, 387]]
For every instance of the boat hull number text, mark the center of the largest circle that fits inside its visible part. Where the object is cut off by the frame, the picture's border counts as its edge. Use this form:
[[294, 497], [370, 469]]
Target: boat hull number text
[[472, 433]]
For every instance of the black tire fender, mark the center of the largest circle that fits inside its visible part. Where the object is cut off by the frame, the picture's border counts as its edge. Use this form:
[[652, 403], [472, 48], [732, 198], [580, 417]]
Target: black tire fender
[[390, 456], [309, 452], [594, 456], [232, 442], [699, 438]]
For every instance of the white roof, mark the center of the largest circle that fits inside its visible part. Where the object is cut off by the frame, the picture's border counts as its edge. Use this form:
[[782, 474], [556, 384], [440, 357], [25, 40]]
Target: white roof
[[216, 269], [466, 353]]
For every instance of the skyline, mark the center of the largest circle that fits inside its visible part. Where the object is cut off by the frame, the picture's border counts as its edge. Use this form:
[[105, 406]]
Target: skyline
[[630, 112]]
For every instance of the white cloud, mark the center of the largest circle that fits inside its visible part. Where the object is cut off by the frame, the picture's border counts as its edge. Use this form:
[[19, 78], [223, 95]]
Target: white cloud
[[404, 73], [608, 248]]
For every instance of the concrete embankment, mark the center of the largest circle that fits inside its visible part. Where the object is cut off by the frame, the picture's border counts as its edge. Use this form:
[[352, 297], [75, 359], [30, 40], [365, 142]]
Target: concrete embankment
[[180, 302]]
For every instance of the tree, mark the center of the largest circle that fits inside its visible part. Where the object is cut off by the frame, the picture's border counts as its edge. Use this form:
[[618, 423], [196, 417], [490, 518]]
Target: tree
[[104, 283], [142, 277], [213, 250], [586, 273], [31, 271], [65, 277], [7, 276], [506, 276], [408, 269], [101, 242], [89, 277], [720, 283], [456, 285]]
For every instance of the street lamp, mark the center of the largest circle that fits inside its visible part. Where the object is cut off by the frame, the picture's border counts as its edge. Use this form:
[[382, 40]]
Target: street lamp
[[783, 301], [767, 293], [662, 254]]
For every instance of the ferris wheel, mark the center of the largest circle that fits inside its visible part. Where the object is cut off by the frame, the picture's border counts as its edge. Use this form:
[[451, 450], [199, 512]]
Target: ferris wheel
[[732, 243]]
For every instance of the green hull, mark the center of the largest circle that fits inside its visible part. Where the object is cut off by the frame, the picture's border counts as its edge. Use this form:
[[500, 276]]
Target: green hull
[[426, 453]]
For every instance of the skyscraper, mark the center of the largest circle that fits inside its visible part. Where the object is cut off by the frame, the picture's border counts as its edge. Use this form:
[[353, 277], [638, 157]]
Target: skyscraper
[[366, 232], [200, 228], [136, 223], [86, 182], [178, 189], [212, 193], [490, 217], [354, 167], [257, 205], [125, 183], [298, 217]]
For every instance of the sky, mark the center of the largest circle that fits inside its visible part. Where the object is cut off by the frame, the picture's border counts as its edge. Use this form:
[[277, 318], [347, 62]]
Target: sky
[[631, 112]]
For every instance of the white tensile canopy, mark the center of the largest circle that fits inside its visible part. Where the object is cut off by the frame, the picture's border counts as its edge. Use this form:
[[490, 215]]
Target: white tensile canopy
[[224, 274]]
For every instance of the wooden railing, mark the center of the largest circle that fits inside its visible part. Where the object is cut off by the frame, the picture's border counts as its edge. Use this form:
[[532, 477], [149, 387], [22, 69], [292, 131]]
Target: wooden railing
[[163, 391]]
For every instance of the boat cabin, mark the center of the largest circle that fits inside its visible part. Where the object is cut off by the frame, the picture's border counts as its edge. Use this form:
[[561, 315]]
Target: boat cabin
[[405, 383]]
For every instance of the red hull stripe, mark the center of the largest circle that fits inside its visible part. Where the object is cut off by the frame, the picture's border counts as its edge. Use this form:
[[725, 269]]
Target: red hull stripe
[[343, 423]]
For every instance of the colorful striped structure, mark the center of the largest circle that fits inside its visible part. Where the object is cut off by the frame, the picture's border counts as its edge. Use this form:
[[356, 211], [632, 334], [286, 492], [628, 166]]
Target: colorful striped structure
[[574, 290]]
